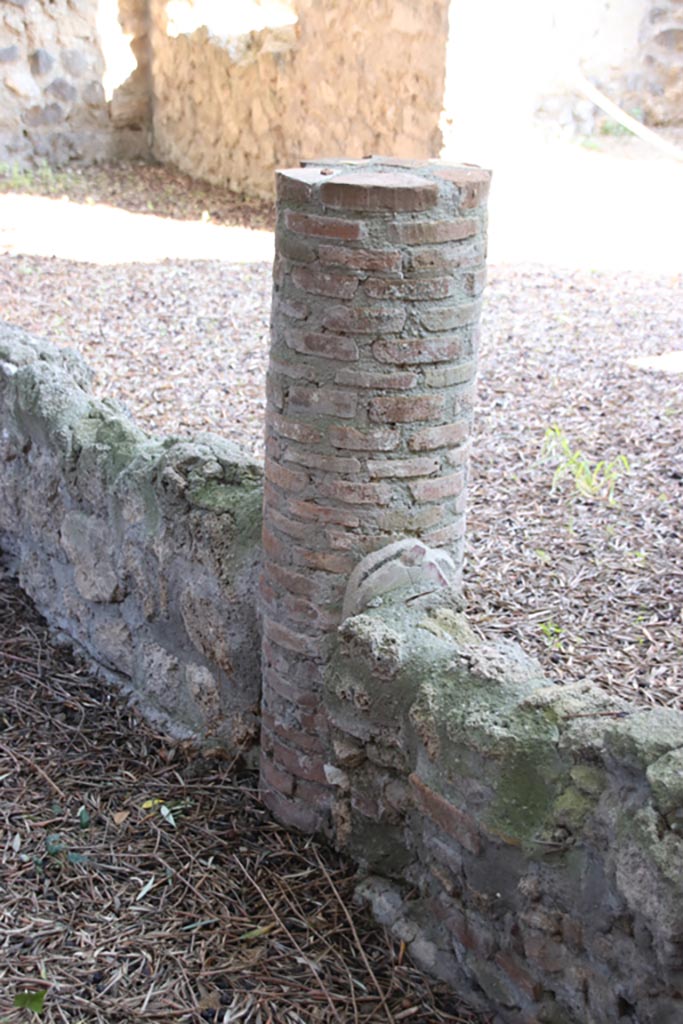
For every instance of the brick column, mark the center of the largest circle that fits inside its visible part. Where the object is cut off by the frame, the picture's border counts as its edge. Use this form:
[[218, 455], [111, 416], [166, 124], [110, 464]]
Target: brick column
[[378, 275]]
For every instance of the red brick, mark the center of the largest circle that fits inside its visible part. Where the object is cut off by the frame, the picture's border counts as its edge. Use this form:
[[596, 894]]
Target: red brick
[[438, 488], [459, 456], [326, 345], [420, 519], [323, 227], [274, 391], [326, 561], [275, 547], [279, 271], [387, 260], [324, 513], [301, 765], [295, 813], [443, 258], [293, 248], [400, 468], [293, 309], [293, 528], [450, 534], [446, 318], [323, 401], [289, 691], [456, 823], [356, 493], [313, 794], [440, 437], [446, 376], [335, 286], [473, 283], [357, 542], [295, 371], [400, 381], [276, 778], [287, 479], [346, 466], [365, 319], [296, 184], [306, 673], [419, 350], [405, 408], [295, 430], [295, 582], [473, 183], [411, 290], [372, 190], [512, 967], [428, 232], [295, 737], [300, 610], [364, 440], [300, 642]]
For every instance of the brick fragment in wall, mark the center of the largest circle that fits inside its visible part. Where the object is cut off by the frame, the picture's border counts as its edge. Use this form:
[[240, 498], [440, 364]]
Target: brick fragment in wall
[[328, 345], [323, 227], [318, 282], [386, 261], [429, 232], [395, 192], [458, 824], [405, 408], [399, 381], [425, 349]]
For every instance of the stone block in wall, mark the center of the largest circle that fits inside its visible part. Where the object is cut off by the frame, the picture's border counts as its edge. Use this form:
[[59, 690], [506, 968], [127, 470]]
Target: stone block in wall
[[145, 551]]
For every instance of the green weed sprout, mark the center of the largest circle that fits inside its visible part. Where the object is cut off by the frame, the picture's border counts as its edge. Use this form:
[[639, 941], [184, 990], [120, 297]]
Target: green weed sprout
[[596, 482]]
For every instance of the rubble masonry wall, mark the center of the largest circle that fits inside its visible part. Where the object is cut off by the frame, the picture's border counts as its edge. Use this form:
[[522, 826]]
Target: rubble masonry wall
[[144, 551]]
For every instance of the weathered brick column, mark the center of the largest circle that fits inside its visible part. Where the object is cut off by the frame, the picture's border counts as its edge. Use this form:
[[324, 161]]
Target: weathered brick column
[[378, 274]]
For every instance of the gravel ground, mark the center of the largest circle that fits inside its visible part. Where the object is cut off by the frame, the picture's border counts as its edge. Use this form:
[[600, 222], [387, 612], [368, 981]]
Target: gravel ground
[[587, 573]]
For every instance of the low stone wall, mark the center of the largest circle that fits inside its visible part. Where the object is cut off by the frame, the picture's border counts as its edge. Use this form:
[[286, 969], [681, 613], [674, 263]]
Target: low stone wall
[[144, 551], [524, 837], [347, 79], [52, 101]]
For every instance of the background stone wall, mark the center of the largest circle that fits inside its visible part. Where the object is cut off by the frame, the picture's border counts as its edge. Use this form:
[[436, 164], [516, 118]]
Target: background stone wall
[[660, 86], [144, 551], [523, 838], [346, 79], [52, 101], [340, 80]]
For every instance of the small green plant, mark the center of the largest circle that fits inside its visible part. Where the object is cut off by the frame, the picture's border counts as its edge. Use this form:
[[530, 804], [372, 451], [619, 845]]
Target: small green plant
[[41, 178], [28, 1000], [595, 482], [616, 129], [552, 634]]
